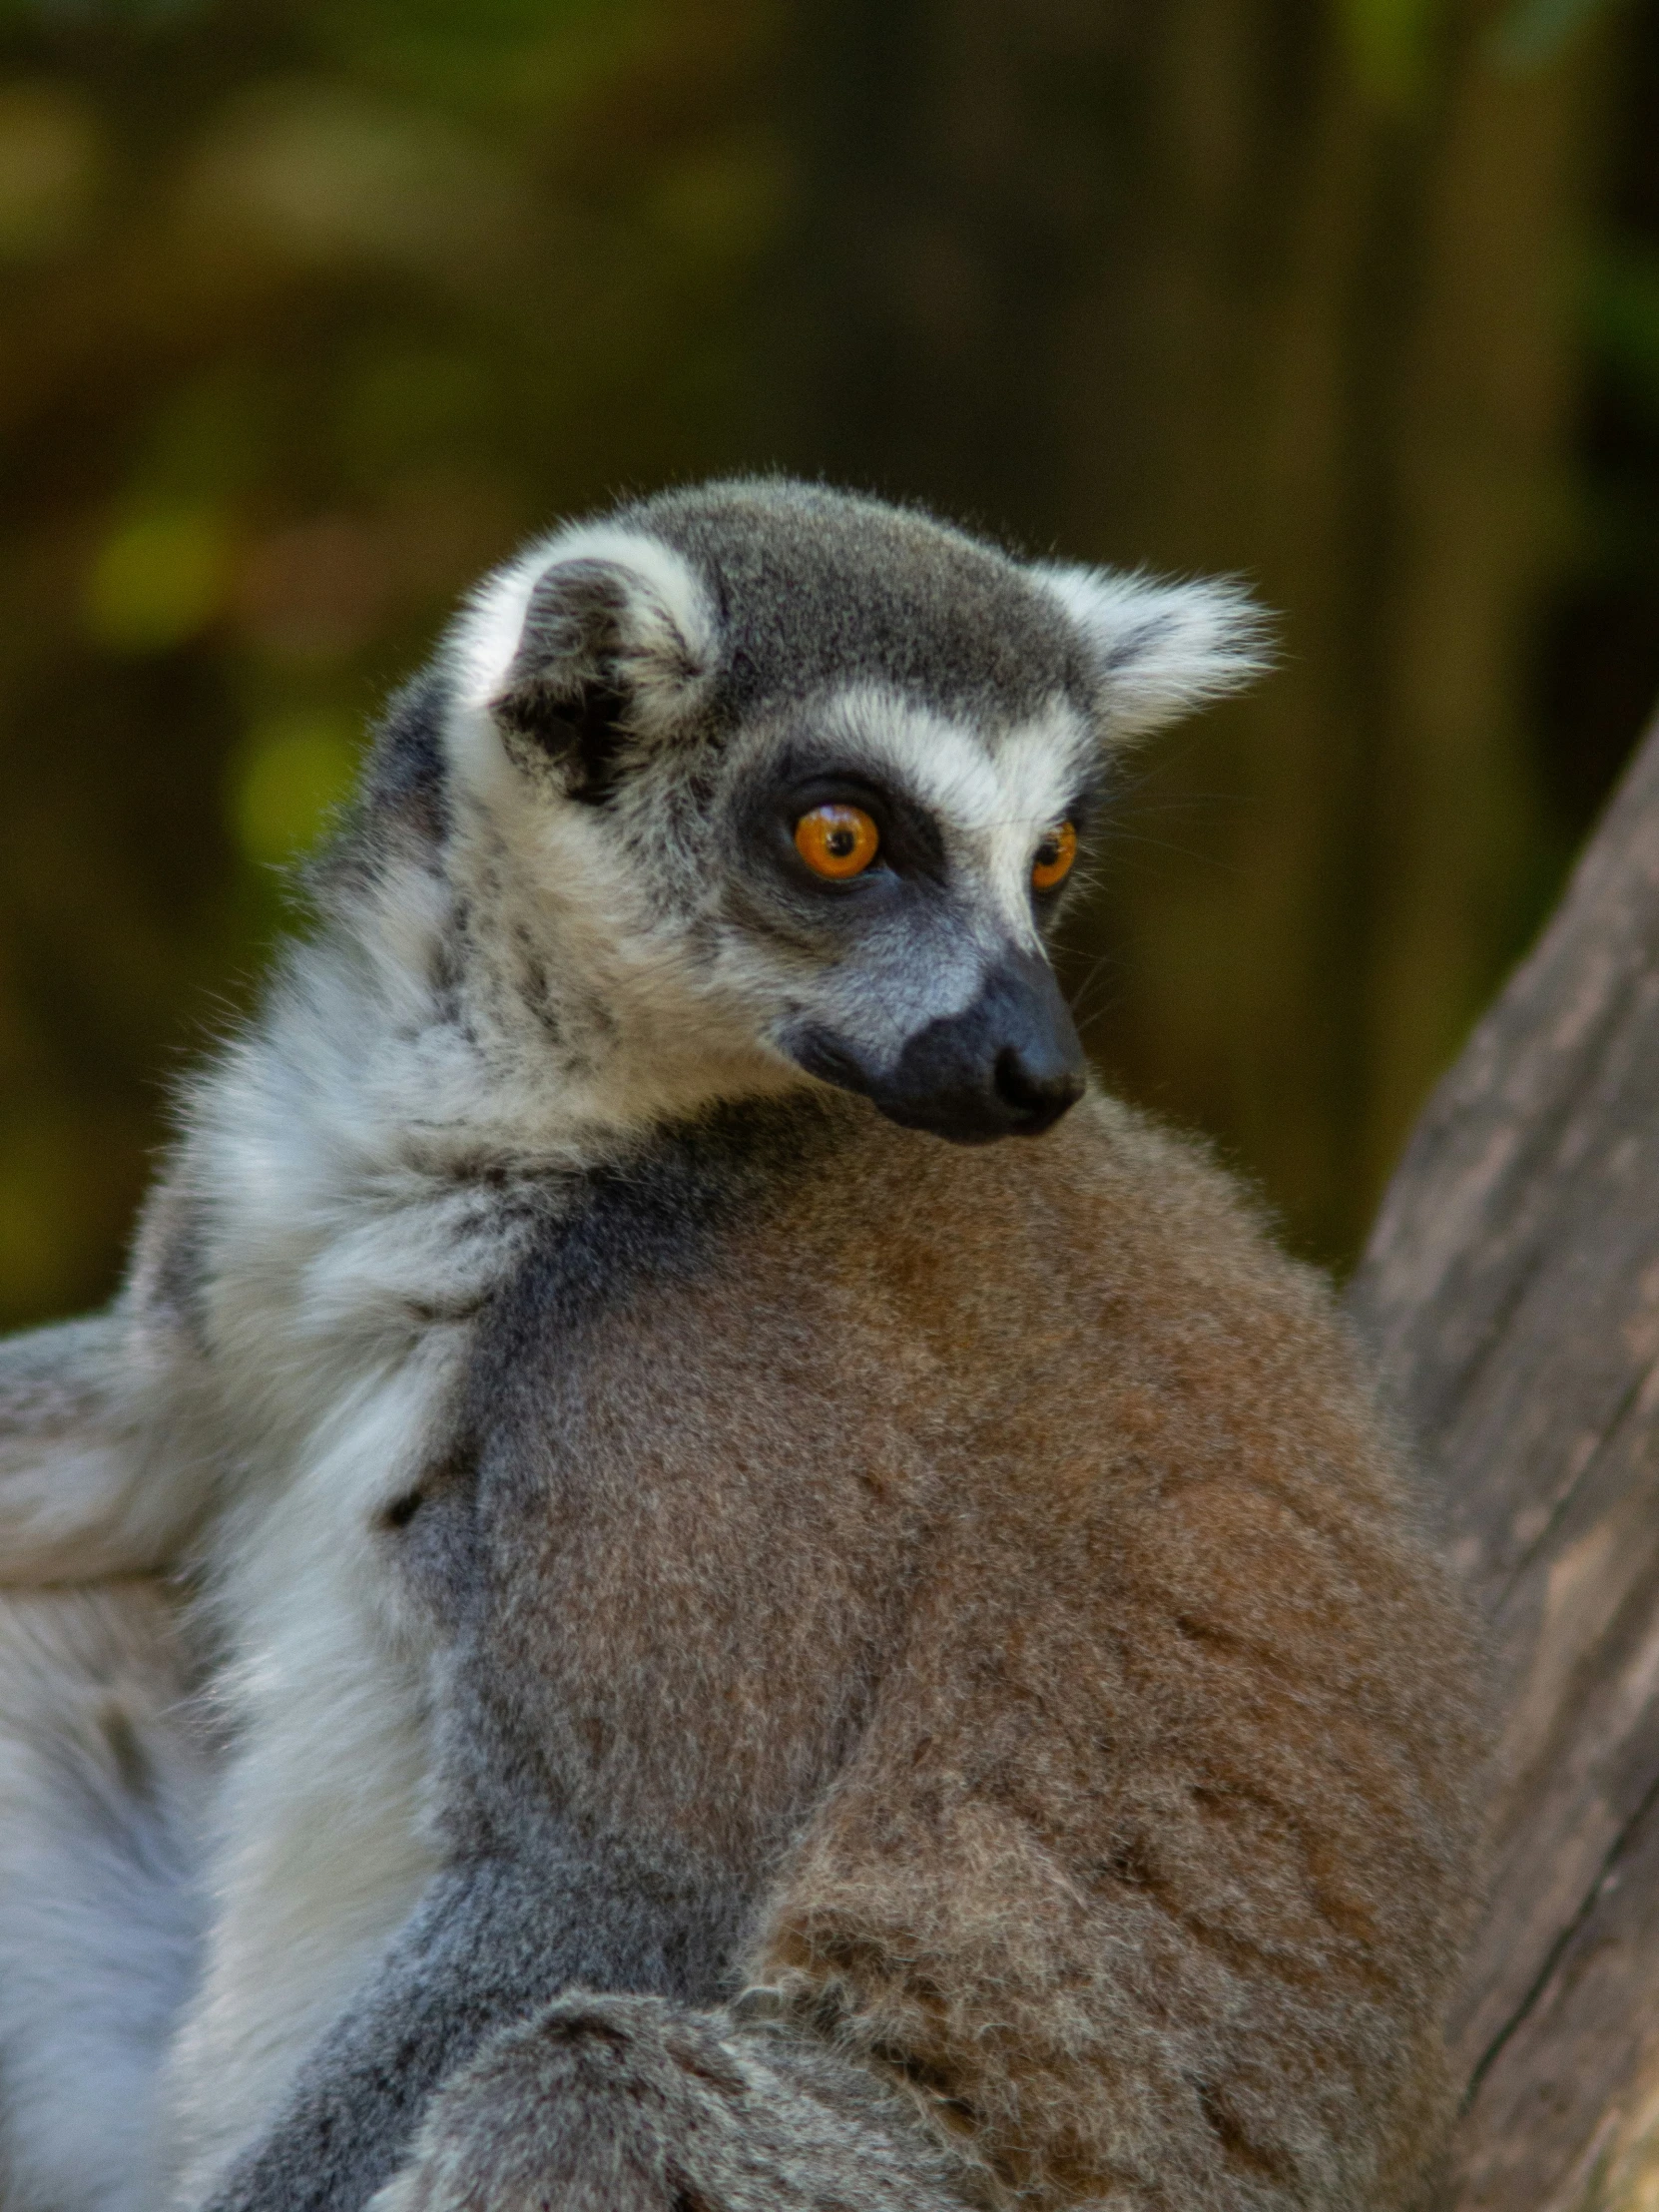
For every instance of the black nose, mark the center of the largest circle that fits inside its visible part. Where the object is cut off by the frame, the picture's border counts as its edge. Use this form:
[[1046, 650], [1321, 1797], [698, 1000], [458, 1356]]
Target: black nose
[[1009, 1065], [1036, 1093]]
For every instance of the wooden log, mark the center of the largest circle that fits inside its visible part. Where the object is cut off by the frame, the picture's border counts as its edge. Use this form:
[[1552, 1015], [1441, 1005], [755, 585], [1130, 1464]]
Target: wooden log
[[1512, 1291]]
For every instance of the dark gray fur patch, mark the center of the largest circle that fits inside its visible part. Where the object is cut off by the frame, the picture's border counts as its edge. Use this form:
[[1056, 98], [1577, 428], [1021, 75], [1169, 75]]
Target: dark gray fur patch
[[815, 587], [630, 2101], [650, 1216], [403, 801], [563, 694], [172, 1261], [650, 1219], [405, 775]]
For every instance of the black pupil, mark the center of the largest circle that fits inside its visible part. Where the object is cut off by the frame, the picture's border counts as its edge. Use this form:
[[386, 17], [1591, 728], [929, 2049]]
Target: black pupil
[[842, 843], [1048, 852]]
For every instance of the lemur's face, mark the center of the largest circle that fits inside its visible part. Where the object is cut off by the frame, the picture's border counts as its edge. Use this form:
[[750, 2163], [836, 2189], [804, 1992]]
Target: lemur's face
[[810, 778], [892, 869]]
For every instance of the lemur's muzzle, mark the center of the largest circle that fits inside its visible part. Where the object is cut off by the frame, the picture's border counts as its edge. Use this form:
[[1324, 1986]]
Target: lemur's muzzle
[[1008, 1065]]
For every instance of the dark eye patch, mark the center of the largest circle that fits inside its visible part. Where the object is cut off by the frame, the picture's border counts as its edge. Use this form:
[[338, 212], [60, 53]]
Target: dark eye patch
[[912, 842]]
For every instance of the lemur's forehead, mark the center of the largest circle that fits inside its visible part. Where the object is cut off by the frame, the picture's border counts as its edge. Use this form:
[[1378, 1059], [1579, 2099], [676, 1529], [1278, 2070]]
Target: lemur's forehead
[[814, 590], [976, 774]]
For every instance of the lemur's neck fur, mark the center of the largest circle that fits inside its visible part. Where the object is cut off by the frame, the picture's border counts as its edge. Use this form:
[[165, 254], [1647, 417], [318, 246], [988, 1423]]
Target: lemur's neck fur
[[445, 1021], [433, 1072]]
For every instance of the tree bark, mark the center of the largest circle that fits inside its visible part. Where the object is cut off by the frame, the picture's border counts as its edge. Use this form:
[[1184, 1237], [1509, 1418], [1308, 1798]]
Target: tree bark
[[1512, 1291]]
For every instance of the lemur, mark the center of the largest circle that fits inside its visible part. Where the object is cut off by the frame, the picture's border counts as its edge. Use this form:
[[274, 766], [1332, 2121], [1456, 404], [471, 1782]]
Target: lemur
[[740, 1654]]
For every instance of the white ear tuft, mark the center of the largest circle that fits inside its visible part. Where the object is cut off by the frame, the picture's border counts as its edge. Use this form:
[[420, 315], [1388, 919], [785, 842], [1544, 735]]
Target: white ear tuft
[[592, 587], [591, 643], [1159, 649]]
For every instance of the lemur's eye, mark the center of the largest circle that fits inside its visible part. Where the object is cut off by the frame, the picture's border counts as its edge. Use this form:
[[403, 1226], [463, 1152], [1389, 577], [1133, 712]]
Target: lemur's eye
[[836, 842], [1054, 856]]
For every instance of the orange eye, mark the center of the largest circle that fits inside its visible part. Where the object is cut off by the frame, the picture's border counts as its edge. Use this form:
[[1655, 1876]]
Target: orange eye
[[1054, 856], [837, 842]]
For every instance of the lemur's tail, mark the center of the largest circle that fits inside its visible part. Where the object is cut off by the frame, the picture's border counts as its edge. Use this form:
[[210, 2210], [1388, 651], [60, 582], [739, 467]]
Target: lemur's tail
[[102, 1787]]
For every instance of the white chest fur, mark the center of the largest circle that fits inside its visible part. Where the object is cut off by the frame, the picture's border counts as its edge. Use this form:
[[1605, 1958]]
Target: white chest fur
[[340, 1360]]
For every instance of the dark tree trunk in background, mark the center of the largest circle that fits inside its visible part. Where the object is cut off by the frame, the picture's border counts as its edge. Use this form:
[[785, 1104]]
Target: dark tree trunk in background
[[1205, 286], [1511, 1287]]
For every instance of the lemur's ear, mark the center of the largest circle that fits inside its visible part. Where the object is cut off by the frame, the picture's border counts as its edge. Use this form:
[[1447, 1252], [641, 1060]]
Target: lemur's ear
[[613, 645], [1160, 649]]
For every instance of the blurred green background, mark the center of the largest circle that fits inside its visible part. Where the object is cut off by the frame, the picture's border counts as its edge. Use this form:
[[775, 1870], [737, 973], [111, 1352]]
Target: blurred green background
[[314, 310]]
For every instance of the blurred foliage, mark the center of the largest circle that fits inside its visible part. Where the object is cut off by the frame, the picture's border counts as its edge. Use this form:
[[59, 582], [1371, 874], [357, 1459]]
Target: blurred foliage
[[313, 310], [1287, 287], [1534, 31], [1393, 45], [318, 306]]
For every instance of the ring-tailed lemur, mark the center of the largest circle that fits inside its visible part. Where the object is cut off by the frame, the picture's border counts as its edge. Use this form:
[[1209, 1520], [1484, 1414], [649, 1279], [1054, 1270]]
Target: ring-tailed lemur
[[763, 1659]]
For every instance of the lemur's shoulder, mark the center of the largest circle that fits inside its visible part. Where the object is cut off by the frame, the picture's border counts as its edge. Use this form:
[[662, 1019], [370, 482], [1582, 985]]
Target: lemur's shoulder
[[1111, 1224], [1108, 1274]]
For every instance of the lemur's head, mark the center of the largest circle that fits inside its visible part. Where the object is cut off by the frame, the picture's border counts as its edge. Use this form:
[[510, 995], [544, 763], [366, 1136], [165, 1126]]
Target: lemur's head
[[761, 780]]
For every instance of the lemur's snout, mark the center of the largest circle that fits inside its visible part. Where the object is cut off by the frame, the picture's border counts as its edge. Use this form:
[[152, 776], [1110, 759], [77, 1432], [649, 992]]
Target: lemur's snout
[[1035, 1095], [1008, 1065]]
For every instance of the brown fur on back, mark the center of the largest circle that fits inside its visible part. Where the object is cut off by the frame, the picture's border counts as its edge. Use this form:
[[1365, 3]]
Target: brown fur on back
[[991, 1569]]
